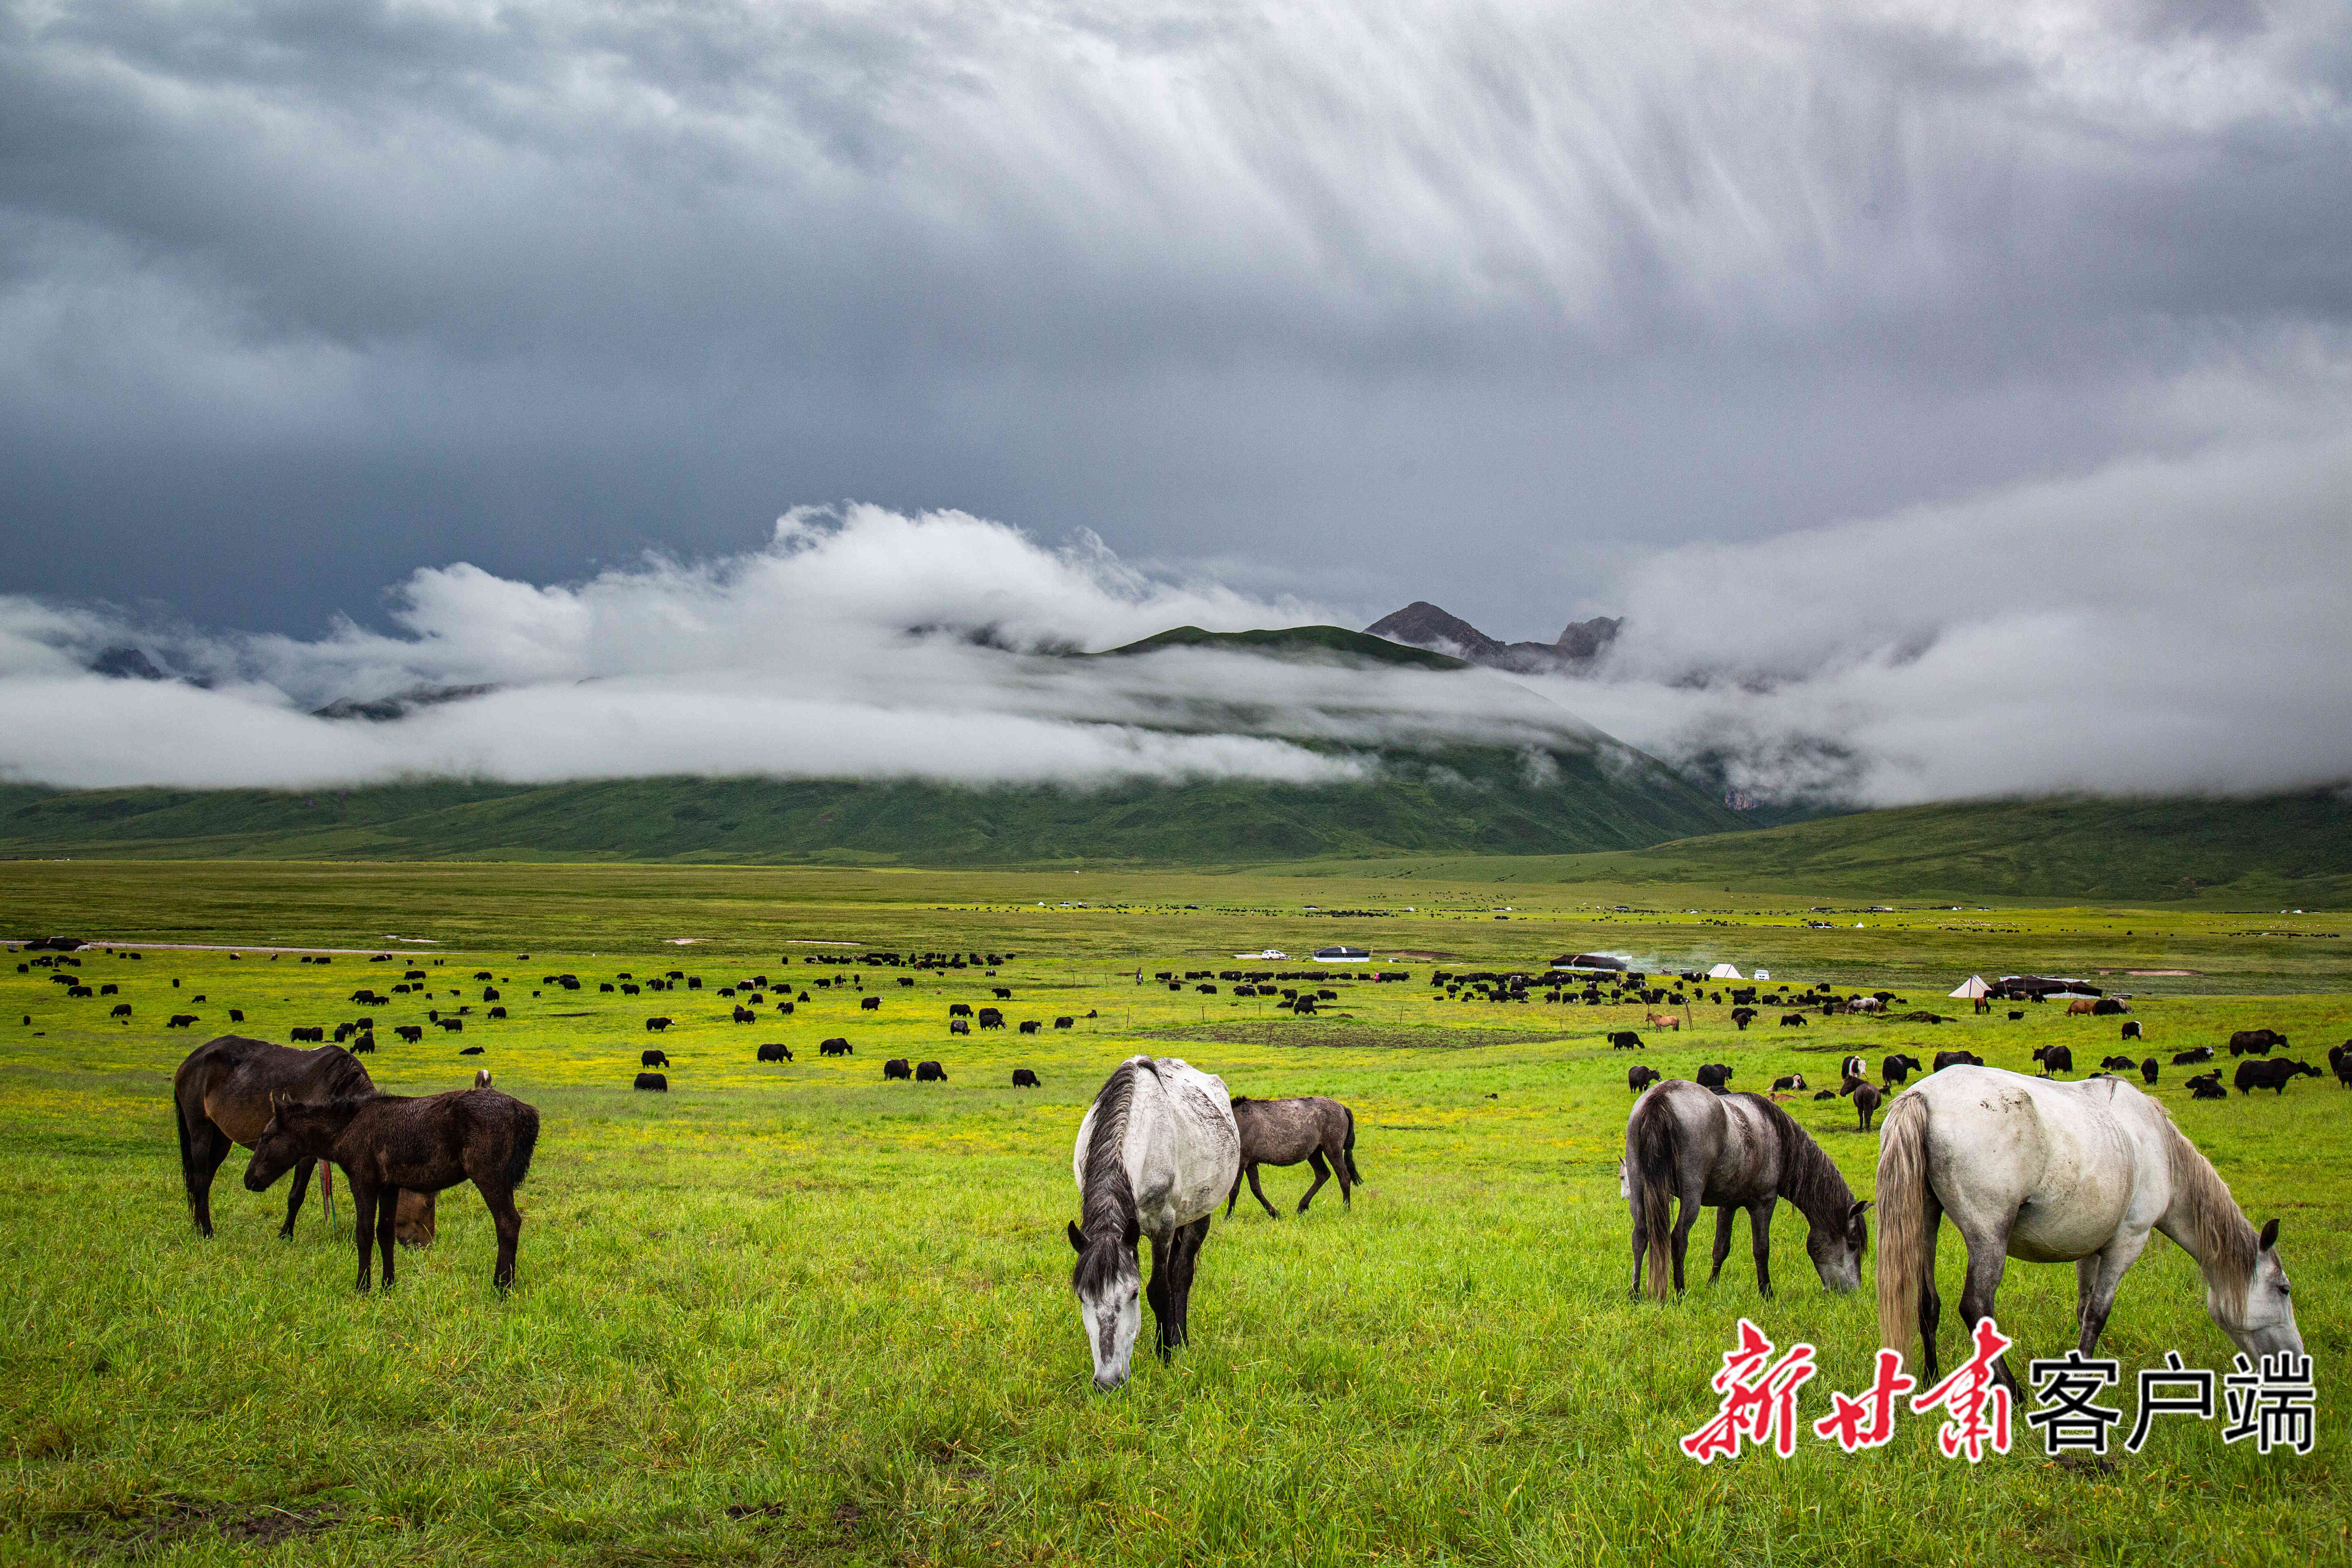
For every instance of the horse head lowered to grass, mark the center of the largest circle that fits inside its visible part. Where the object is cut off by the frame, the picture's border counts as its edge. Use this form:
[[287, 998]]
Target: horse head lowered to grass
[[1157, 1149], [2059, 1173], [1732, 1152]]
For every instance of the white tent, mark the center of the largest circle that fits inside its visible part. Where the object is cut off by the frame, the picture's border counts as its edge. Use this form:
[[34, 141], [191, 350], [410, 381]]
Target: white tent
[[1973, 988], [1723, 971]]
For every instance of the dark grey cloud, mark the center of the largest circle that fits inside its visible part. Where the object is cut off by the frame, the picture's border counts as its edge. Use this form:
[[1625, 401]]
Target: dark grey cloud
[[1485, 304]]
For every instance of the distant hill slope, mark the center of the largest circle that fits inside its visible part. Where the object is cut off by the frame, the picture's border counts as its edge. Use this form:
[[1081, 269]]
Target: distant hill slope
[[2281, 850], [1297, 641], [1462, 800], [2294, 850]]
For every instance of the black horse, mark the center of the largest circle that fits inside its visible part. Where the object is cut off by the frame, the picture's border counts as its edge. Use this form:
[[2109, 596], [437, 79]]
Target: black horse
[[388, 1144]]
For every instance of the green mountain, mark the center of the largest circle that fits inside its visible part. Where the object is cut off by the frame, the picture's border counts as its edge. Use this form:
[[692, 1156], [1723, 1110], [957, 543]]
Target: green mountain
[[1309, 642], [1461, 800], [1479, 817]]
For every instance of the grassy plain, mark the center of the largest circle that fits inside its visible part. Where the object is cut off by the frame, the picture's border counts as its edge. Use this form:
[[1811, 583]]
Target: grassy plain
[[795, 1314]]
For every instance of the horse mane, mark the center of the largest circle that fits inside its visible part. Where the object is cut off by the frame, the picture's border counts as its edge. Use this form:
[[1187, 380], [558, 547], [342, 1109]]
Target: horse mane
[[342, 1077], [1107, 1209], [2225, 1243], [1808, 1177]]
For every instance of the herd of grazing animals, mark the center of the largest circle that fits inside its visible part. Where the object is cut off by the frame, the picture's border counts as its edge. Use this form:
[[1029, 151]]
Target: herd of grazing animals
[[1161, 1141]]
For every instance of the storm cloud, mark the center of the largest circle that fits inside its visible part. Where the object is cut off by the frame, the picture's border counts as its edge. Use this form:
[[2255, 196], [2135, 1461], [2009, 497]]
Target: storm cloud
[[2159, 628], [1483, 303]]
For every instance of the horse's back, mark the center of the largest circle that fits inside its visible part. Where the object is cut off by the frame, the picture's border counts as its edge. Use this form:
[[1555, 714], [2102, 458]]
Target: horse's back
[[1699, 1117], [1732, 1145], [429, 1142], [231, 1079], [2059, 1166], [1182, 1149], [214, 1061], [1746, 1165], [1333, 1118]]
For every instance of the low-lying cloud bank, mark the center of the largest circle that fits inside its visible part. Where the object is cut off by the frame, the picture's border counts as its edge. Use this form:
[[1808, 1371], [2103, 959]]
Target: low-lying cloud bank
[[2152, 628], [858, 644]]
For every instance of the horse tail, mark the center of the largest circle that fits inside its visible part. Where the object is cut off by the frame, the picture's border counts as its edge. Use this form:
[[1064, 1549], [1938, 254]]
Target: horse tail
[[1654, 1160], [187, 1146], [1348, 1149], [1906, 1248], [526, 1139]]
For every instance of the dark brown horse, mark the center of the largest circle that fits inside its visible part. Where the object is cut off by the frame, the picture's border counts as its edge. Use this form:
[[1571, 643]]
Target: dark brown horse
[[388, 1144], [221, 1096], [1283, 1132]]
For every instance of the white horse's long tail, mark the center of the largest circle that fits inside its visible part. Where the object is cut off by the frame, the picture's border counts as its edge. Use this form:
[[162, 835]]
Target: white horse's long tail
[[1906, 1250]]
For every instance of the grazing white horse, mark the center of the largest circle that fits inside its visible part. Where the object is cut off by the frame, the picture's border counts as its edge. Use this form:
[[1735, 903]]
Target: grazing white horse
[[2059, 1173], [1156, 1154]]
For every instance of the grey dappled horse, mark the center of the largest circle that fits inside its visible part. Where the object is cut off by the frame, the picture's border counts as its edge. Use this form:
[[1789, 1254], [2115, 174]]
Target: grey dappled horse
[[1155, 1148], [1732, 1152]]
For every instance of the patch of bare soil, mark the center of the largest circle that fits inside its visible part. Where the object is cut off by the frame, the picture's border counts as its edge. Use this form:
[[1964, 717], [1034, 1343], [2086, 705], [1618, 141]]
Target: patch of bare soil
[[174, 1522], [268, 1526]]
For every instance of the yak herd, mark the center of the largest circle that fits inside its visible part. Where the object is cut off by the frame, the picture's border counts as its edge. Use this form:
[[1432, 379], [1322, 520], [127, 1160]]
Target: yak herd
[[2055, 1061]]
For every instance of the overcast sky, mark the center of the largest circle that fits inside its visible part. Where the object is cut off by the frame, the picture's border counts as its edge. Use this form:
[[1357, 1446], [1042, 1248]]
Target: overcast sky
[[1535, 310], [1380, 300]]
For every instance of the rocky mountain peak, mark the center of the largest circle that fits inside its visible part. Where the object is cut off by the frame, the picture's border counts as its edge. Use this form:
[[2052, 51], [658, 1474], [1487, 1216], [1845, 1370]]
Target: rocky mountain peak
[[1424, 624]]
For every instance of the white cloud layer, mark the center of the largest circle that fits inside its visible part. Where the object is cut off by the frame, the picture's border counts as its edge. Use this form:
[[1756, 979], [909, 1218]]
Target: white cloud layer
[[861, 644], [2159, 628], [2155, 627]]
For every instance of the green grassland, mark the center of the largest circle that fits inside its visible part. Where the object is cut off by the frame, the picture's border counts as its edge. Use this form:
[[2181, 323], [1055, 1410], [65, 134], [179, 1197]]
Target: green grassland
[[794, 1314]]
